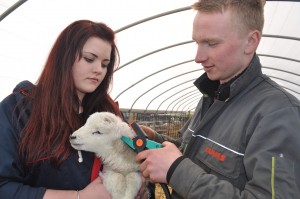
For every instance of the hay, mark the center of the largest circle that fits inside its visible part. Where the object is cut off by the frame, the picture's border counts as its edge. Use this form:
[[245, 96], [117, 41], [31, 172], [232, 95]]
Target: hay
[[159, 192]]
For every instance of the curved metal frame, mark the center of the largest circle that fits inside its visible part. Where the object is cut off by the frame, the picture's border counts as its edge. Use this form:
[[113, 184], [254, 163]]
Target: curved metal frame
[[184, 98], [20, 2], [153, 52], [266, 55], [156, 97], [180, 98], [167, 68], [188, 103], [11, 9], [169, 98], [158, 85]]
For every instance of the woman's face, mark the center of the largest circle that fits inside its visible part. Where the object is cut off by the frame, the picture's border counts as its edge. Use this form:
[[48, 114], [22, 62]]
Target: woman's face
[[91, 68]]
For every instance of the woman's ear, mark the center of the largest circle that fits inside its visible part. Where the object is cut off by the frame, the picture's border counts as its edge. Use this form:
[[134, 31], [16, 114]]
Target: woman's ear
[[253, 40]]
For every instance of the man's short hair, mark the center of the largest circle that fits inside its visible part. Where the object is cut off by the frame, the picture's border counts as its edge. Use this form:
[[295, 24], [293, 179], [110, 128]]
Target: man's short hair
[[248, 14]]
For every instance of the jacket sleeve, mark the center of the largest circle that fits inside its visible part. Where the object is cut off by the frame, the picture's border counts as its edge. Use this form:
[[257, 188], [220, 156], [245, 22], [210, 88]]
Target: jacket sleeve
[[12, 185], [271, 161], [179, 142]]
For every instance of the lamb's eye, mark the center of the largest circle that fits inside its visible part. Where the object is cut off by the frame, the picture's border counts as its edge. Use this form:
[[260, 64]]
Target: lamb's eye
[[97, 132]]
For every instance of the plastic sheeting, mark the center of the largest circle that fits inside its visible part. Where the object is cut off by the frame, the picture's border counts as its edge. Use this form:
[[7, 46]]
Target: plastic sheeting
[[154, 39]]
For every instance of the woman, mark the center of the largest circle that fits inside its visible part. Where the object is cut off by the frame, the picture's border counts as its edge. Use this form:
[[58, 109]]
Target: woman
[[37, 160]]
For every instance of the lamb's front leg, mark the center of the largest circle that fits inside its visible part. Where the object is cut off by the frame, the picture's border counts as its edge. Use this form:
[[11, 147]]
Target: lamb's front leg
[[115, 184], [134, 183]]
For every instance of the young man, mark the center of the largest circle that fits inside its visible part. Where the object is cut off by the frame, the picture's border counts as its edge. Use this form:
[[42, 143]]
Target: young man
[[243, 139]]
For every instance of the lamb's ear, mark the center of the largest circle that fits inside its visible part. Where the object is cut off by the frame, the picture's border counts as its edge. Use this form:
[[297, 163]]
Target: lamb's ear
[[125, 129], [106, 120]]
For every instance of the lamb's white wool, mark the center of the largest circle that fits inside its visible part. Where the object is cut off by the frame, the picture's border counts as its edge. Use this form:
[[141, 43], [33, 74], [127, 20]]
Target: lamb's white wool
[[101, 134]]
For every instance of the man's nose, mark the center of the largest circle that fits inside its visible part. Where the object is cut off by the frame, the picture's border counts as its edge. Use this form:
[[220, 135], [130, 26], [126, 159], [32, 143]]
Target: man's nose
[[201, 54]]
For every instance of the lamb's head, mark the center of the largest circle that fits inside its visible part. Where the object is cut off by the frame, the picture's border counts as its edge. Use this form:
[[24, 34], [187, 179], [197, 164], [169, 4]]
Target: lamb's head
[[100, 129]]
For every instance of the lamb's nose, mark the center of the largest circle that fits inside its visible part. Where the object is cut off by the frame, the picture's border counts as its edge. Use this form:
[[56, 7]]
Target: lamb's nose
[[72, 137]]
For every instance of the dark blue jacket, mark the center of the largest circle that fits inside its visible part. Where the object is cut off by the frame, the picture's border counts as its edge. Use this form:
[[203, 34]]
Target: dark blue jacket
[[19, 183]]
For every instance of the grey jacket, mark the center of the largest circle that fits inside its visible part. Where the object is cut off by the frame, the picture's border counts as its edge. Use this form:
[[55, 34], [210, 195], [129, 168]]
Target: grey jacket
[[246, 146]]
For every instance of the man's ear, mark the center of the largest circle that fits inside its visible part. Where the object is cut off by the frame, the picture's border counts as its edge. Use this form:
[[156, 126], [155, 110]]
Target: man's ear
[[253, 40]]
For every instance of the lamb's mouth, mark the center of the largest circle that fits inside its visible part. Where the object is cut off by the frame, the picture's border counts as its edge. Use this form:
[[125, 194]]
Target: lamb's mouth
[[76, 145]]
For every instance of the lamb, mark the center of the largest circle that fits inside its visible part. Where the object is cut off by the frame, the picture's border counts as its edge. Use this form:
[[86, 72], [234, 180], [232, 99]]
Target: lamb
[[101, 134]]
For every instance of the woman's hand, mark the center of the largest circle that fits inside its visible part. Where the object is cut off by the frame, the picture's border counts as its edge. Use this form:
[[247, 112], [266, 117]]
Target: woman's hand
[[95, 190]]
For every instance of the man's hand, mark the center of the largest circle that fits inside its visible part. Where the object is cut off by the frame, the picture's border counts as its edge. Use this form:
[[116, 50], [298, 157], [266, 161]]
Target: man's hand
[[150, 132], [155, 163]]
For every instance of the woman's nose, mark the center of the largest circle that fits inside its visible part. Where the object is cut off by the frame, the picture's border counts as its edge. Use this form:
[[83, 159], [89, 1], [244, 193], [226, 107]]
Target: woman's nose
[[98, 68]]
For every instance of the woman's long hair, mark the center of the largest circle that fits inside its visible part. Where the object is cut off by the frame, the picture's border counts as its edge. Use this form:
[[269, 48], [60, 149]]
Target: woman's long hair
[[55, 104]]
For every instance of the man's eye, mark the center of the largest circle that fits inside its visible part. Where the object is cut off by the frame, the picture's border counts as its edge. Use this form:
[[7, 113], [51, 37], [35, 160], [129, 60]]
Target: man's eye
[[97, 132], [212, 43]]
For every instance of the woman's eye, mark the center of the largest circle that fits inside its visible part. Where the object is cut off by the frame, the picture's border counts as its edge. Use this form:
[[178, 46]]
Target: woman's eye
[[88, 60], [104, 65], [97, 132]]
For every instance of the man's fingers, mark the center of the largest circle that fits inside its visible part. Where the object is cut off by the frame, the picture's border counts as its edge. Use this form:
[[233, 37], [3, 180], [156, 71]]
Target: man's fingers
[[145, 174], [140, 157]]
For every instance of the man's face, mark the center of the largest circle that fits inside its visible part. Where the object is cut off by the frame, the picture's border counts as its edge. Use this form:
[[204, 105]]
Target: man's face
[[220, 47]]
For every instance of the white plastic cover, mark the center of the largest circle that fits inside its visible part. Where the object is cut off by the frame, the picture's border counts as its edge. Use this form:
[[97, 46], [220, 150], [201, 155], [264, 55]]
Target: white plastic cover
[[157, 68]]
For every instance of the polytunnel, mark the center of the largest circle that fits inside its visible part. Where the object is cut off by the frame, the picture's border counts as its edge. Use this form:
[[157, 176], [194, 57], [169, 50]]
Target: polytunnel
[[157, 68], [153, 84]]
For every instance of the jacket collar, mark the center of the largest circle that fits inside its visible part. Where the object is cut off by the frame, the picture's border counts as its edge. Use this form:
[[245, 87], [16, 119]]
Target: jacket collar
[[214, 90]]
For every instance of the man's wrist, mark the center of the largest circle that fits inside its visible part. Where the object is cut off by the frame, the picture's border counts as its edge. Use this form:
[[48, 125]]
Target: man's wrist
[[173, 167]]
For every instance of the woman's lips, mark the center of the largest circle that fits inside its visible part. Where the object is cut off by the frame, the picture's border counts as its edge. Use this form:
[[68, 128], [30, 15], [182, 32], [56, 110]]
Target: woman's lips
[[95, 80]]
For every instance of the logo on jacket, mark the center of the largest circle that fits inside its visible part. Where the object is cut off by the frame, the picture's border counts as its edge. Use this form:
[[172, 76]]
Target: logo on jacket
[[215, 154]]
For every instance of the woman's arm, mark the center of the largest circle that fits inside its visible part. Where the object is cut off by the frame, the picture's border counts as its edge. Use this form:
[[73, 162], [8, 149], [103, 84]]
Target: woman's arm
[[11, 170], [94, 190]]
